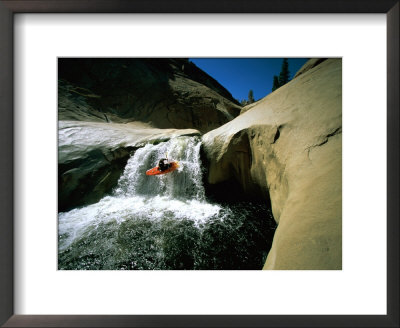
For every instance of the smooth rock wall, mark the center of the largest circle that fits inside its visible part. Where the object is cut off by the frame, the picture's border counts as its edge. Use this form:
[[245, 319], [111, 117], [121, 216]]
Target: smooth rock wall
[[289, 145]]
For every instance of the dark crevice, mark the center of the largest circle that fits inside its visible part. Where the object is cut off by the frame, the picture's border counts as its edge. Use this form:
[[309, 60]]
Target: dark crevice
[[277, 135], [322, 143], [335, 132]]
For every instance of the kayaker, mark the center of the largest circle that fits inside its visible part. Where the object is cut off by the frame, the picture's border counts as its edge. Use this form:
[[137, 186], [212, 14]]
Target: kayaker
[[163, 164]]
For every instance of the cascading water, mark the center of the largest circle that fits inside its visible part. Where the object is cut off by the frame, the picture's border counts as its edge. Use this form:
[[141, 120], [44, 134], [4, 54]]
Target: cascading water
[[185, 184], [164, 222]]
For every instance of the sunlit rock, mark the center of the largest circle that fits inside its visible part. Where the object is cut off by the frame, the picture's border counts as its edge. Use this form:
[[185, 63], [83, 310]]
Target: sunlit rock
[[288, 147]]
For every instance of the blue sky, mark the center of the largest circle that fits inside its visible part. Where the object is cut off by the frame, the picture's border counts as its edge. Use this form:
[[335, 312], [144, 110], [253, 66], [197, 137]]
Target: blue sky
[[239, 75]]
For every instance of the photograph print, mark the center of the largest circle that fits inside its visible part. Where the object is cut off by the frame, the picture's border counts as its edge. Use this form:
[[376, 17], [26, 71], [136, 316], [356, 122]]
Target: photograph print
[[199, 164]]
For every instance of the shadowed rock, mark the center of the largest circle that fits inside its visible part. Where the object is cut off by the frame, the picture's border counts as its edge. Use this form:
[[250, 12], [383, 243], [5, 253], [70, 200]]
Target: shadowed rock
[[165, 93]]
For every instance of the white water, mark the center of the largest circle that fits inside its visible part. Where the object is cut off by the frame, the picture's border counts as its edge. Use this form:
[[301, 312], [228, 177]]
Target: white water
[[177, 195]]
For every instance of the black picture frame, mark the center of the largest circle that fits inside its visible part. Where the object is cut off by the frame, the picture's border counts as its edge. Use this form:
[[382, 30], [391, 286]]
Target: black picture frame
[[10, 7]]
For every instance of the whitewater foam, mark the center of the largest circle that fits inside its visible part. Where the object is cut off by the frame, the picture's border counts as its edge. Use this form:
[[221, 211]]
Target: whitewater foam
[[178, 195]]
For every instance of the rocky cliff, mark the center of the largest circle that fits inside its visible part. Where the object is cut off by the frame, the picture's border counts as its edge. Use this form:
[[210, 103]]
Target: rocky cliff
[[288, 148], [164, 93]]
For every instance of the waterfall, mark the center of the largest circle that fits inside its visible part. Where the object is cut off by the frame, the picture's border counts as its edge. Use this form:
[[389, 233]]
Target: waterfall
[[184, 184], [156, 222], [178, 195]]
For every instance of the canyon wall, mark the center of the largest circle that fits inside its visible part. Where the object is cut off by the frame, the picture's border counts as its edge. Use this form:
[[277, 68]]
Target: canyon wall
[[288, 146]]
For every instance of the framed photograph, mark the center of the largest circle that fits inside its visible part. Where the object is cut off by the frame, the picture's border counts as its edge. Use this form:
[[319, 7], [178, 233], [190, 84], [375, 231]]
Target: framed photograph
[[147, 180]]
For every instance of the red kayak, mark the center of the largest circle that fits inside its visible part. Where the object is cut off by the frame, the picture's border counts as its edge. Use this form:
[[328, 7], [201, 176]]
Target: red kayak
[[157, 171]]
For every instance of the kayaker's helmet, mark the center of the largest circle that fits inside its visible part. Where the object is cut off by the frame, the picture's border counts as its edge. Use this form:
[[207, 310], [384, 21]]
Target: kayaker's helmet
[[163, 164]]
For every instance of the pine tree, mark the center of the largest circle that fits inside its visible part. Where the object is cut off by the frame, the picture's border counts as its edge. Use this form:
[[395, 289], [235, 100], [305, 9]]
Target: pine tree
[[285, 74], [275, 84], [251, 97]]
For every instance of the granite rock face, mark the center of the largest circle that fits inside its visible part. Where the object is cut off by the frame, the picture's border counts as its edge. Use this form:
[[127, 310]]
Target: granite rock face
[[165, 93], [288, 148]]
